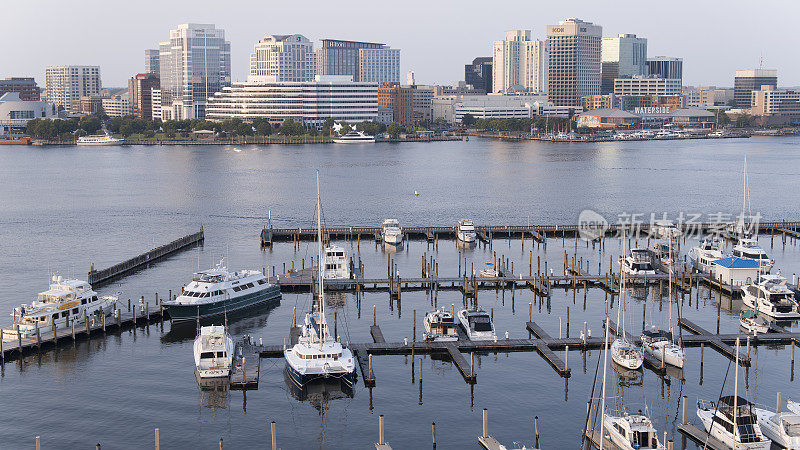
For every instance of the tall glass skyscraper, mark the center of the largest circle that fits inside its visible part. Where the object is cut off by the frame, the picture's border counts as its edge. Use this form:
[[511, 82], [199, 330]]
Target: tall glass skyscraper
[[195, 63], [364, 61]]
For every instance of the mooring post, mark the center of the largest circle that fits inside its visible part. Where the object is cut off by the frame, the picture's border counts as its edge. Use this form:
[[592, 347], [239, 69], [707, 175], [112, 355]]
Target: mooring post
[[381, 440], [158, 445], [536, 429], [778, 403], [683, 410], [485, 423], [374, 316], [103, 319], [414, 326], [369, 358], [433, 433], [472, 365], [566, 358], [38, 445], [73, 330], [38, 340], [530, 312], [220, 444], [55, 338]]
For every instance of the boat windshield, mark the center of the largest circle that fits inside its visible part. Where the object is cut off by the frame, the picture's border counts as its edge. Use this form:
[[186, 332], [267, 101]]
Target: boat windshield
[[481, 323], [55, 298], [209, 277]]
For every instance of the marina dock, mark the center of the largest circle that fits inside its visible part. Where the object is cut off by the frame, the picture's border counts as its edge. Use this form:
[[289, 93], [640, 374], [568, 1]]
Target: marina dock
[[100, 277], [246, 365]]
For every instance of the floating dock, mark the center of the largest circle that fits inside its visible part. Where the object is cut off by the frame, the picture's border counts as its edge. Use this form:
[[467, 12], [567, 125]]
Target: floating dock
[[246, 365]]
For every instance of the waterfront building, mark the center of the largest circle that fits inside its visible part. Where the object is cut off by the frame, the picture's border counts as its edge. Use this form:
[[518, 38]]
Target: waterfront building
[[632, 102], [307, 102], [422, 100], [647, 117], [140, 89], [151, 61], [747, 81], [665, 67], [283, 57], [774, 106], [574, 68], [155, 99], [15, 112], [385, 115], [642, 86], [194, 64], [118, 105], [707, 96], [363, 61], [623, 56], [519, 63], [25, 86], [86, 105], [598, 102], [608, 118], [400, 99], [66, 85], [479, 73]]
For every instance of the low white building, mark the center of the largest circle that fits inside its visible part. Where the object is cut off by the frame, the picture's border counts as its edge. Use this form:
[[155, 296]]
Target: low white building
[[644, 86], [735, 271], [307, 102], [15, 113]]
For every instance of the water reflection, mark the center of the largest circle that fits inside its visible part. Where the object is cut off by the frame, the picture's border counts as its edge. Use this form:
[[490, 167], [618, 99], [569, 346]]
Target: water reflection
[[239, 322], [213, 392]]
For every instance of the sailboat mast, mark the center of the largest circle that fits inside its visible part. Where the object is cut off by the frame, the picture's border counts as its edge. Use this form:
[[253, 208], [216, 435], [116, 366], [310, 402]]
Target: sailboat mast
[[622, 285], [320, 263], [736, 390], [671, 265], [744, 191], [605, 370]]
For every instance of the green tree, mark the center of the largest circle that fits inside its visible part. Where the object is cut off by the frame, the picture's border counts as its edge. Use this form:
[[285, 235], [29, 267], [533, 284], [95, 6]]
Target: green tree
[[291, 128], [468, 120], [90, 124], [126, 130], [393, 129]]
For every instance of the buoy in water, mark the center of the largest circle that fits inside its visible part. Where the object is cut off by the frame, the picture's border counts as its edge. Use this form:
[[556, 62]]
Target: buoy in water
[[416, 194]]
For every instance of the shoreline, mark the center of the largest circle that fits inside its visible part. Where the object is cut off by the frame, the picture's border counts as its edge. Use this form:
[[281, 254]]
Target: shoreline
[[286, 141]]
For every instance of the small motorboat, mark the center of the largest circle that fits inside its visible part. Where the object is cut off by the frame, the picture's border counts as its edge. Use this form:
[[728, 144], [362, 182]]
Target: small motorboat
[[770, 296], [477, 324], [793, 406], [638, 263], [440, 326], [213, 352], [782, 428], [466, 231], [632, 431], [718, 422], [391, 233], [489, 271], [752, 323]]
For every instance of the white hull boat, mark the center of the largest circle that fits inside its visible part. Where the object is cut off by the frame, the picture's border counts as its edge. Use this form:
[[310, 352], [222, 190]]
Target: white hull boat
[[632, 432], [213, 352], [703, 256], [771, 297], [477, 325], [638, 262], [391, 233], [440, 326], [659, 345], [466, 231], [782, 428], [752, 323], [718, 422], [355, 137], [336, 263], [626, 354]]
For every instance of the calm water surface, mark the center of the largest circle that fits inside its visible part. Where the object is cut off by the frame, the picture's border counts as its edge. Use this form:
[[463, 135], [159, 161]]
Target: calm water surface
[[65, 208]]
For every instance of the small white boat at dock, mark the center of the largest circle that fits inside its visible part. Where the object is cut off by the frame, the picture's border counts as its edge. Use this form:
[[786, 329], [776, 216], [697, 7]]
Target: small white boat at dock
[[466, 231], [440, 326], [477, 324], [391, 233], [213, 352]]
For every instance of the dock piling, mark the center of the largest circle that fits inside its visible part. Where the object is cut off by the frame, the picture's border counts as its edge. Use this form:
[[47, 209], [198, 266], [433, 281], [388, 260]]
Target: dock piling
[[381, 440], [485, 433], [158, 445], [274, 435], [433, 433], [536, 429]]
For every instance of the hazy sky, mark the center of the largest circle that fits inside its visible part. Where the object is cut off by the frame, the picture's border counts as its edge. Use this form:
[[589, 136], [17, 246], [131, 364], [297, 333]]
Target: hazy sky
[[436, 37]]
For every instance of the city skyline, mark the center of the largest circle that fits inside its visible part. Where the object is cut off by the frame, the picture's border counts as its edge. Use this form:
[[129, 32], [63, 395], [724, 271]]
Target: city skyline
[[437, 50]]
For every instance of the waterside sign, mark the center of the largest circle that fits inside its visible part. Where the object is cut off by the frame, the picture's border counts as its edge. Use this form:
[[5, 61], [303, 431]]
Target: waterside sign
[[651, 110]]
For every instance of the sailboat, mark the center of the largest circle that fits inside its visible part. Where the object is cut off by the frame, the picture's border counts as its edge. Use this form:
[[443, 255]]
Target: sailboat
[[317, 355], [660, 343], [623, 352]]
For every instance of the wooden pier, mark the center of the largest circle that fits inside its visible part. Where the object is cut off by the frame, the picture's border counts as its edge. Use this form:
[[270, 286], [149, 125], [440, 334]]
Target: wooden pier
[[486, 233], [246, 365], [102, 276]]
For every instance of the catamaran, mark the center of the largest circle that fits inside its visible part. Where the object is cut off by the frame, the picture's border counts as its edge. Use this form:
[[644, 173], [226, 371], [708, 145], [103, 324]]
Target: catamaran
[[317, 355], [66, 301]]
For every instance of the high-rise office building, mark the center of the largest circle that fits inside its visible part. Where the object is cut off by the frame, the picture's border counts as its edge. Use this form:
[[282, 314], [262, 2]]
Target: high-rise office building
[[283, 57], [194, 64], [665, 67], [400, 99], [747, 81], [575, 66], [26, 88], [140, 89], [68, 84], [151, 61], [623, 56], [519, 63], [364, 61], [479, 73]]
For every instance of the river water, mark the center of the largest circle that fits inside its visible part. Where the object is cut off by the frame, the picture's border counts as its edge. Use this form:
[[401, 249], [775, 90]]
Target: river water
[[64, 208]]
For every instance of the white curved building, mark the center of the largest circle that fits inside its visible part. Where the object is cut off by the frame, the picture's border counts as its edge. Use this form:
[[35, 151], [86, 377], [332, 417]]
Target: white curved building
[[15, 113], [308, 102]]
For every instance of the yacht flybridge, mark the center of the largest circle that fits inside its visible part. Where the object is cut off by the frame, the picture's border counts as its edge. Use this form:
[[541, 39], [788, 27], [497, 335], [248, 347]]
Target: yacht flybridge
[[638, 262], [748, 248], [705, 254], [317, 355], [213, 352], [336, 264], [719, 420], [440, 326], [770, 296], [66, 300], [391, 233], [217, 291]]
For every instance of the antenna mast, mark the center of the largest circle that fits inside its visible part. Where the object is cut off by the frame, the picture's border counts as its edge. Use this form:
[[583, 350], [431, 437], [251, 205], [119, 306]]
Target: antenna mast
[[320, 263]]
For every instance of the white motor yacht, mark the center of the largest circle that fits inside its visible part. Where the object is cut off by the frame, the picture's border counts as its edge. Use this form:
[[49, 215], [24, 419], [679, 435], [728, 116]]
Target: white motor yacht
[[718, 421], [391, 233], [440, 326], [477, 324], [770, 296], [317, 355], [336, 264], [665, 229], [466, 231], [489, 270], [793, 406], [748, 248], [658, 344], [213, 352], [638, 262], [355, 137], [782, 428], [752, 323], [705, 254], [632, 431], [66, 301]]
